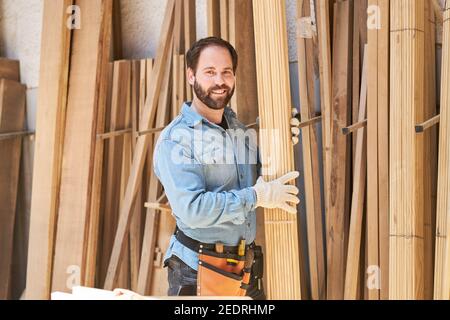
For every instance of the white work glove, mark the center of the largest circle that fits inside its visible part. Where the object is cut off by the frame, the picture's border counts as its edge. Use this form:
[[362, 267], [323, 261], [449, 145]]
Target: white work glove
[[276, 193], [295, 130]]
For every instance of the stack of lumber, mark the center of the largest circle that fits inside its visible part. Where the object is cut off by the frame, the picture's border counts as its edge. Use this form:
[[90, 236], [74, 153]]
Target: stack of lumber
[[282, 245], [12, 126]]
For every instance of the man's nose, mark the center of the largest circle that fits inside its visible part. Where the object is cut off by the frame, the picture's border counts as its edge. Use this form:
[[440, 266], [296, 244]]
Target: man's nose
[[219, 80]]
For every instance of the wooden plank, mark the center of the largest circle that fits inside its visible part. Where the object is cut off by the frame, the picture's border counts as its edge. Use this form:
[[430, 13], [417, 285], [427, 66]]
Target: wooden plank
[[10, 69], [358, 196], [12, 118], [383, 147], [90, 51], [137, 219], [114, 160], [310, 160], [324, 45], [442, 262], [336, 237], [407, 102], [430, 152], [117, 30], [190, 34], [141, 147], [372, 150], [242, 38], [190, 25], [213, 18], [152, 216], [127, 151], [53, 77], [282, 262], [93, 258], [224, 19]]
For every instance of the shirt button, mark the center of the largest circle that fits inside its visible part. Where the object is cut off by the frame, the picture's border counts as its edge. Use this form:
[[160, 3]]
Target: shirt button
[[242, 176]]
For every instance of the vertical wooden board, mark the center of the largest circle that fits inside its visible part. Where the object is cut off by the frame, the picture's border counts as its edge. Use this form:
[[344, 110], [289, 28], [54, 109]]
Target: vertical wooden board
[[147, 275], [90, 51], [190, 24], [339, 152], [372, 145], [243, 39], [430, 150], [114, 160], [358, 196], [124, 280], [383, 147], [55, 53], [224, 19], [9, 69], [22, 223], [310, 156], [136, 223], [324, 45], [12, 117], [213, 18], [442, 261]]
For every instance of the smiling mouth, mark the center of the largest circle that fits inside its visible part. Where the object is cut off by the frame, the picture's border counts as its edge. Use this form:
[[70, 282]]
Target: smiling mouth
[[219, 92]]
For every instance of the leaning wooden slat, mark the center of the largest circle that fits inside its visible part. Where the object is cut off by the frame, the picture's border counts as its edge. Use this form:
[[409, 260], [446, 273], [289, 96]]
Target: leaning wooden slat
[[310, 155], [9, 69], [51, 106], [429, 173], [114, 160], [336, 237], [152, 216], [139, 157], [213, 18], [91, 49], [165, 222], [324, 40], [190, 34], [137, 219], [99, 181], [127, 151], [12, 119], [242, 38], [224, 19], [359, 186], [372, 145], [383, 146], [442, 263]]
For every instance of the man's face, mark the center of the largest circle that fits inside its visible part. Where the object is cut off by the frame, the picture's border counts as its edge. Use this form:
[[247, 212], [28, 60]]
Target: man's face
[[214, 81]]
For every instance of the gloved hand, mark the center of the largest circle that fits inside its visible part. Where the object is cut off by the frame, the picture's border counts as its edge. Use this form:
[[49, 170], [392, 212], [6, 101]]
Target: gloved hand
[[295, 130], [276, 193]]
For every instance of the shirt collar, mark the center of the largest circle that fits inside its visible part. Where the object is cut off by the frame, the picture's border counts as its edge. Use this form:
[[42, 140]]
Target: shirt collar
[[193, 118]]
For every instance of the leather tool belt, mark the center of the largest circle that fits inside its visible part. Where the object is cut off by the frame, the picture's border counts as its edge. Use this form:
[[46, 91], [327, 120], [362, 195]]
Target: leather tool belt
[[224, 273]]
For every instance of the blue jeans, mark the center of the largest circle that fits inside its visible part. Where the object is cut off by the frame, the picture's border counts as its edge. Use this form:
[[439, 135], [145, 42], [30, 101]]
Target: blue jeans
[[183, 280]]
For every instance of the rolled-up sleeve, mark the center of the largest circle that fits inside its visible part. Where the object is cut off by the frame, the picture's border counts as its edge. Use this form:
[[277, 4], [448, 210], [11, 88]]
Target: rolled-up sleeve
[[184, 184]]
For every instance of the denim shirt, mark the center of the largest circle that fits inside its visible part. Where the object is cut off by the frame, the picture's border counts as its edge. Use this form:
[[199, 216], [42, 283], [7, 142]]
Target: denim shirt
[[207, 174]]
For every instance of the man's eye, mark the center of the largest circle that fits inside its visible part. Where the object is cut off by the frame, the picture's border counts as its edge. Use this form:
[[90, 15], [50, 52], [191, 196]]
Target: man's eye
[[210, 73]]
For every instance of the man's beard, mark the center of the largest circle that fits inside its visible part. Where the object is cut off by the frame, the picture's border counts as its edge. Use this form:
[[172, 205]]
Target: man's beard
[[207, 99]]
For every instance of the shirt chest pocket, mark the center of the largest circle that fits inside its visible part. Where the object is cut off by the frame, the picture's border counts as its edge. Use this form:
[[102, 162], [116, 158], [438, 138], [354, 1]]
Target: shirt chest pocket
[[219, 167]]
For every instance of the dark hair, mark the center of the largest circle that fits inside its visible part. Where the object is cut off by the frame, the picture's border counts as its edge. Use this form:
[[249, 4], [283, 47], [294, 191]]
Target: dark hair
[[194, 52]]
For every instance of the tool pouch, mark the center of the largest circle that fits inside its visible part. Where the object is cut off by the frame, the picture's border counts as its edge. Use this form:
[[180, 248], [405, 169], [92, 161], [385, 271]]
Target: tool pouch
[[218, 277]]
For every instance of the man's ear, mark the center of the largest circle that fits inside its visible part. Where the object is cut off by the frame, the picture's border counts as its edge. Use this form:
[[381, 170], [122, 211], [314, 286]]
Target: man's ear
[[190, 76]]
